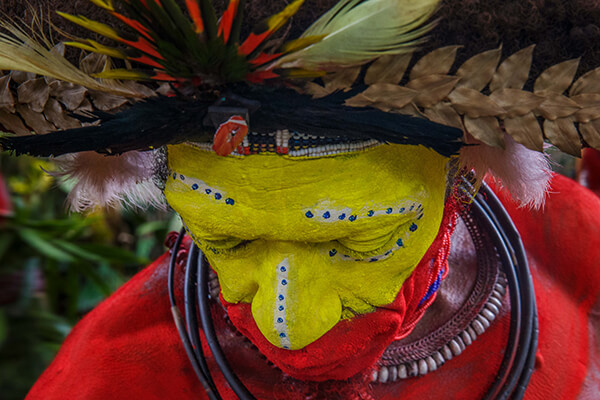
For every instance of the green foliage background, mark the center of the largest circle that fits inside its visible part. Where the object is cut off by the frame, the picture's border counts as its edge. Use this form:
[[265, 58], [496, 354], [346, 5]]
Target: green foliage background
[[55, 266]]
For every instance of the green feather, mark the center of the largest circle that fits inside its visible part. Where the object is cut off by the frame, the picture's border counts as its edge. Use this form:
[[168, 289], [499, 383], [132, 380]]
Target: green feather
[[357, 31]]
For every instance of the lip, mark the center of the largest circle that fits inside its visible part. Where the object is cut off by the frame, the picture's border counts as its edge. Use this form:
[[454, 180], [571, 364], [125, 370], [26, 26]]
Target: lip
[[347, 349]]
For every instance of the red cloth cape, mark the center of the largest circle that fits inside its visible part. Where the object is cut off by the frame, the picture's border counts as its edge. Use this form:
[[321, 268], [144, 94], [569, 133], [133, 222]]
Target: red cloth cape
[[128, 347]]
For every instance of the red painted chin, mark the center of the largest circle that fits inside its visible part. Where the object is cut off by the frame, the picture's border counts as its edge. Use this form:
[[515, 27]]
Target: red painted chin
[[347, 349], [355, 345]]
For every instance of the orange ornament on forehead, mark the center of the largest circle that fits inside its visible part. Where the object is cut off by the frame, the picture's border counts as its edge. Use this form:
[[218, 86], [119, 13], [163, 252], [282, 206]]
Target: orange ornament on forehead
[[229, 135]]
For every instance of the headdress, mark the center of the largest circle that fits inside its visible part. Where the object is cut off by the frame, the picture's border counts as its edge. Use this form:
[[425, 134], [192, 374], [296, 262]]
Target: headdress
[[348, 82]]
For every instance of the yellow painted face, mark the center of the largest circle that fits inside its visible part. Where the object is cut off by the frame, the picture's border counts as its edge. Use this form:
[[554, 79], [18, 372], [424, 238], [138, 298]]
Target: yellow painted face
[[309, 242]]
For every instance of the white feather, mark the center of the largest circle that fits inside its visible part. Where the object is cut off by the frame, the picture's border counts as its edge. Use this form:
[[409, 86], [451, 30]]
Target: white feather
[[522, 172], [357, 31], [110, 180]]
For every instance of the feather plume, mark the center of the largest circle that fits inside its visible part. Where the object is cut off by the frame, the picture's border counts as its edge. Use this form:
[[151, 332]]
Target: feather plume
[[357, 31], [33, 53], [522, 172], [110, 181]]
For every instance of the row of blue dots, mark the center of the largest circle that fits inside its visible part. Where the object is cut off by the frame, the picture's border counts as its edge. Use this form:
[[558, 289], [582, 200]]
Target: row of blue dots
[[370, 213]]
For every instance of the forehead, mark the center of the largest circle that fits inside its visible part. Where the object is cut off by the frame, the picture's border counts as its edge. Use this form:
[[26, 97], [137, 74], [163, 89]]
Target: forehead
[[311, 199]]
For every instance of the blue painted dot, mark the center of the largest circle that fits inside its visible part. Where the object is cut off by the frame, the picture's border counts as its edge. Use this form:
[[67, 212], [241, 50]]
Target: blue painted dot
[[400, 243], [388, 211], [326, 215], [413, 227], [342, 216], [280, 320], [208, 191], [411, 207], [283, 282], [286, 347], [282, 335], [182, 177], [282, 269], [402, 209], [332, 252], [195, 186], [370, 213], [281, 308], [352, 218], [218, 196], [229, 201], [420, 216], [174, 176], [387, 253], [309, 214], [373, 259], [280, 297]]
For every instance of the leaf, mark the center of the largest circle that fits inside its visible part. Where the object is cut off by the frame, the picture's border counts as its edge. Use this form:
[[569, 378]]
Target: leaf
[[557, 78], [477, 72], [12, 123], [77, 251], [485, 129], [590, 131], [35, 120], [563, 134], [7, 100], [444, 113], [556, 106], [432, 88], [384, 95], [342, 79], [314, 89], [437, 62], [43, 245], [388, 69], [35, 93], [473, 103], [105, 101], [516, 102], [514, 71], [590, 107], [69, 94], [526, 130], [57, 116], [587, 83], [113, 254]]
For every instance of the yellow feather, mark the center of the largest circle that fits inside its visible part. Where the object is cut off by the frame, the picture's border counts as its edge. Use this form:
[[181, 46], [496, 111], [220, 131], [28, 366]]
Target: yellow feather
[[358, 31], [107, 5], [278, 20], [92, 25], [119, 73], [96, 47], [300, 43]]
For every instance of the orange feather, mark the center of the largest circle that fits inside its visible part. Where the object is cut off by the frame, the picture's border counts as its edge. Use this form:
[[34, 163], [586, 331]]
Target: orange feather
[[227, 20], [194, 10]]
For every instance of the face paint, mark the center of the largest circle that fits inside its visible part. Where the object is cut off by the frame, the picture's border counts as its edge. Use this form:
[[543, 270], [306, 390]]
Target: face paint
[[309, 242]]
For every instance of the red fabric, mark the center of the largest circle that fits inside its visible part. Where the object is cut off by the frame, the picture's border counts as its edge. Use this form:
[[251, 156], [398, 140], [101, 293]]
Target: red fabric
[[364, 337], [589, 170], [128, 348]]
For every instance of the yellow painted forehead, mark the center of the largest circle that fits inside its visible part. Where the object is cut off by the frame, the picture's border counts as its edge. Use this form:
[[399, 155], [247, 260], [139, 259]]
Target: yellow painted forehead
[[262, 196]]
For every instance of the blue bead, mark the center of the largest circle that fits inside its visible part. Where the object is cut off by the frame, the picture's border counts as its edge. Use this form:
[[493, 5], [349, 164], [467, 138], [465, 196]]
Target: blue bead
[[282, 269], [280, 297], [195, 186], [309, 214], [174, 176], [286, 347], [182, 177], [411, 207], [229, 201], [413, 227], [208, 191], [326, 215], [281, 308], [282, 335], [420, 216], [370, 213], [342, 216], [388, 211], [352, 218], [400, 242], [402, 209], [280, 320], [283, 282], [218, 196], [332, 252], [373, 260]]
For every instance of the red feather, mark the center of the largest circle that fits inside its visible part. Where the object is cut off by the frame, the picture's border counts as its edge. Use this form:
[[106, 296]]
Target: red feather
[[133, 24], [252, 42], [145, 46], [148, 61], [196, 14], [161, 76], [260, 76], [227, 20], [264, 58]]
